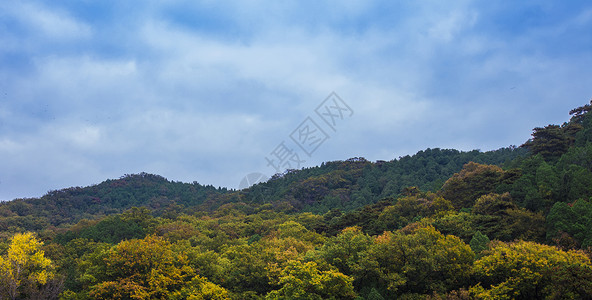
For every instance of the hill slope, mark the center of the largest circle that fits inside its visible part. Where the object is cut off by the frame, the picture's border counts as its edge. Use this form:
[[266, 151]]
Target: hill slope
[[345, 185]]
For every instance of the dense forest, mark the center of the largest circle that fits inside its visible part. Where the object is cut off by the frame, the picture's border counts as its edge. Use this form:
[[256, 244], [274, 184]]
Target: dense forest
[[514, 223]]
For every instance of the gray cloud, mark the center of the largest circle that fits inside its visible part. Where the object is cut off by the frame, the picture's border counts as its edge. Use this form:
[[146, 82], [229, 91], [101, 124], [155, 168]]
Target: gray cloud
[[206, 91]]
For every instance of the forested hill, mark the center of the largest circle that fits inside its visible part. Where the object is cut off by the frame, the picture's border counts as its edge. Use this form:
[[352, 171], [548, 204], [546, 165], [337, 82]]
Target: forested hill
[[515, 223], [109, 197], [344, 185], [356, 182]]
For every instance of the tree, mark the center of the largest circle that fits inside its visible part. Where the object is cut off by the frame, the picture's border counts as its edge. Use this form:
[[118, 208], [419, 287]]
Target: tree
[[577, 183], [374, 295], [344, 250], [582, 117], [24, 269], [411, 208], [421, 261], [113, 230], [552, 141], [296, 230], [145, 269], [479, 242], [574, 219], [201, 289], [578, 114], [527, 270], [305, 281], [459, 224], [473, 181], [246, 268], [499, 217], [548, 184]]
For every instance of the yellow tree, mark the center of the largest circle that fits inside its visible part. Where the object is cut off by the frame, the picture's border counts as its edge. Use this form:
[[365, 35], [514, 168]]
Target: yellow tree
[[307, 281], [24, 268], [149, 268], [527, 270], [140, 269]]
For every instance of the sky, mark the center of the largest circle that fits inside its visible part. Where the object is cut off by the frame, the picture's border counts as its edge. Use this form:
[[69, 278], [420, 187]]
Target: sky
[[212, 91]]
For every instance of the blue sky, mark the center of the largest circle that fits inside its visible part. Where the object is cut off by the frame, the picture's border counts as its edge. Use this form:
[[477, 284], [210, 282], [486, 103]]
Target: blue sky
[[207, 90]]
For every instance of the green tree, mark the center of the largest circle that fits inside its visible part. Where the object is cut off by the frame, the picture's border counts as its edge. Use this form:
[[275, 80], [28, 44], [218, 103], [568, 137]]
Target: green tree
[[374, 295], [460, 224], [343, 250], [419, 262], [577, 182], [499, 217], [578, 114], [574, 219], [411, 208], [548, 183], [479, 242], [473, 181], [245, 268], [552, 141]]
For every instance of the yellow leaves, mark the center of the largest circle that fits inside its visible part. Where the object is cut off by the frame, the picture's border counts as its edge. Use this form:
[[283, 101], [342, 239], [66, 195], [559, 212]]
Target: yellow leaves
[[306, 279], [531, 270], [142, 269], [40, 277], [121, 289], [24, 264], [498, 292], [25, 247], [292, 229], [203, 289], [384, 238]]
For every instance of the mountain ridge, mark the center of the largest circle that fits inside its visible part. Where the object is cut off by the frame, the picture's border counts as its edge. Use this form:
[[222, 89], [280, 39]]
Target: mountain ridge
[[69, 205]]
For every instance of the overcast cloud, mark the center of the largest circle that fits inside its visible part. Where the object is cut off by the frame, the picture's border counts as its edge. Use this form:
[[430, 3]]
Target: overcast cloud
[[205, 90]]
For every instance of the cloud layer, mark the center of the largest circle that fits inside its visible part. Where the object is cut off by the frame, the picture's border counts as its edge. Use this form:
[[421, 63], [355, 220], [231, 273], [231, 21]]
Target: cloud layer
[[205, 91]]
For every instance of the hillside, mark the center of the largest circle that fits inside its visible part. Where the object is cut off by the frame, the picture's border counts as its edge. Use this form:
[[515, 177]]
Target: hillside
[[70, 205], [342, 185], [510, 223]]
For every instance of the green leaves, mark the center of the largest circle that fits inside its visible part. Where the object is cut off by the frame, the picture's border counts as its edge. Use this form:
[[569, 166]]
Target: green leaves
[[574, 219], [479, 242], [473, 181], [421, 261], [344, 251]]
